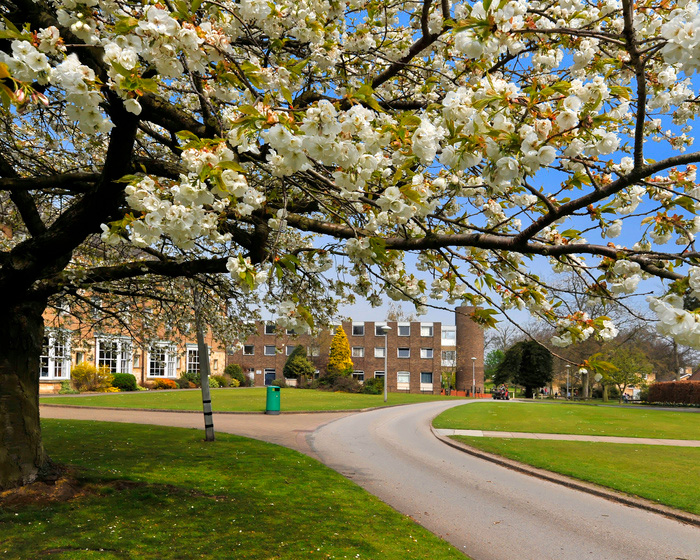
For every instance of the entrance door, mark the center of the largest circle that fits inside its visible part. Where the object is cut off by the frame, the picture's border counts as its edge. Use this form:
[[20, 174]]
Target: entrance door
[[269, 376]]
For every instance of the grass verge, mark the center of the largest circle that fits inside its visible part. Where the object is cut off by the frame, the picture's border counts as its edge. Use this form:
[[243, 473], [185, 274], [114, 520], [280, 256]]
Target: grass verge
[[243, 400], [666, 475], [144, 492], [557, 418]]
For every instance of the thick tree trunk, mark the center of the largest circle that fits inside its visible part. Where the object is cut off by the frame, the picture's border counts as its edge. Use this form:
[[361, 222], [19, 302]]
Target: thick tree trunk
[[22, 456]]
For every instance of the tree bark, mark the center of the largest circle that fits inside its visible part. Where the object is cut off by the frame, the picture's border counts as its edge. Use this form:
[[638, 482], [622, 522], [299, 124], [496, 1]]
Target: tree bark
[[22, 456]]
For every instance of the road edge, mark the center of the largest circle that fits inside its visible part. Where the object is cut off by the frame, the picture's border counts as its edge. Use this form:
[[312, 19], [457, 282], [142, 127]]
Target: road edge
[[594, 489]]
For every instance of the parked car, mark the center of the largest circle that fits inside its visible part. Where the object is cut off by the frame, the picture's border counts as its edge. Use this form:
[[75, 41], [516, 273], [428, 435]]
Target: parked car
[[500, 393]]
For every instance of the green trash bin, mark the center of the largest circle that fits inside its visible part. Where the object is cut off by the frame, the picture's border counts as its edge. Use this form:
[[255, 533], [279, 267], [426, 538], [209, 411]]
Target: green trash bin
[[273, 400]]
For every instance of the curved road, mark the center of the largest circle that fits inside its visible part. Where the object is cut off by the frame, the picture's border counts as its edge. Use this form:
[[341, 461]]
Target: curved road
[[487, 511]]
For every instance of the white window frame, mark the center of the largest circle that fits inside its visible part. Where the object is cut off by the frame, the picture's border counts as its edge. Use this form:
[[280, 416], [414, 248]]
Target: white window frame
[[270, 328], [191, 353], [379, 351], [358, 352], [361, 329], [251, 353], [377, 327], [313, 351], [379, 374], [266, 347], [406, 330], [427, 353], [121, 361], [422, 373], [451, 332], [289, 349], [426, 330], [168, 351], [359, 375], [55, 356], [403, 377], [449, 361], [408, 353]]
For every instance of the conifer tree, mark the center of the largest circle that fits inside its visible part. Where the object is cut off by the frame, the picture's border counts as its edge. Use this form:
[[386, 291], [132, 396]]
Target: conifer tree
[[339, 362]]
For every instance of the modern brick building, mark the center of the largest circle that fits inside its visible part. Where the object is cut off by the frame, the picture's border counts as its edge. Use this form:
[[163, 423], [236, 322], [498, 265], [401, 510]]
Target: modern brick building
[[416, 352]]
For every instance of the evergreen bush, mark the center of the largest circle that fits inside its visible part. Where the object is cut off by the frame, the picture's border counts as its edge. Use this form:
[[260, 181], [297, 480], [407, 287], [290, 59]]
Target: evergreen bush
[[124, 381]]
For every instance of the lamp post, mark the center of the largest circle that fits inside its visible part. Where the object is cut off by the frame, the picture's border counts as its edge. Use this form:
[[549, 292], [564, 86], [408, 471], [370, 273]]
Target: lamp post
[[473, 376], [385, 331], [568, 368]]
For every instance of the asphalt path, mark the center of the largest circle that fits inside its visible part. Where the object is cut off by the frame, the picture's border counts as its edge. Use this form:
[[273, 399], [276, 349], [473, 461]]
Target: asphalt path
[[487, 511]]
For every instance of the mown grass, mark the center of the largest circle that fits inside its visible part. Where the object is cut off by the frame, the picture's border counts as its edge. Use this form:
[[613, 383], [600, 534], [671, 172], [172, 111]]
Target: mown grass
[[243, 400], [559, 418], [162, 493], [667, 475]]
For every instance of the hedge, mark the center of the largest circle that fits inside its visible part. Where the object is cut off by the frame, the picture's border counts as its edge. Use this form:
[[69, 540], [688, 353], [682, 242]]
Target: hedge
[[676, 392]]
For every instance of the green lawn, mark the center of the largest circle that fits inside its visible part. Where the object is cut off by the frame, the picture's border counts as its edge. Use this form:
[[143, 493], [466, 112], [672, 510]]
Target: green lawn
[[667, 475], [242, 400], [559, 418], [162, 493]]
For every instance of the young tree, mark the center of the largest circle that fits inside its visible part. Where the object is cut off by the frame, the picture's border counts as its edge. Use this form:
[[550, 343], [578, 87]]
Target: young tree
[[491, 363], [631, 367], [297, 366], [339, 361], [268, 139]]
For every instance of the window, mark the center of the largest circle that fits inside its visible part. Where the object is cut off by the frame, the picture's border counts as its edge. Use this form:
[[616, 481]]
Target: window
[[216, 365], [449, 334], [403, 376], [79, 357], [449, 357], [161, 360], [378, 374], [358, 352], [114, 354], [426, 377], [426, 353], [270, 350], [55, 356], [404, 330], [379, 351], [249, 349], [291, 331], [289, 349], [192, 363], [359, 375], [358, 330], [137, 360], [313, 351], [403, 352], [379, 329], [269, 328], [426, 330]]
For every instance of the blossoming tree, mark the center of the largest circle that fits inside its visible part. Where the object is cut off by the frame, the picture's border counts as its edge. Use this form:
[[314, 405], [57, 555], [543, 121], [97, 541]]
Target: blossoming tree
[[266, 139]]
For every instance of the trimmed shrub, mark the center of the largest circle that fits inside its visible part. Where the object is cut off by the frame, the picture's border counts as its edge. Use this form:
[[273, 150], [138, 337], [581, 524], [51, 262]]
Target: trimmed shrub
[[87, 377], [223, 380], [234, 383], [67, 389], [373, 386], [214, 383], [164, 383], [675, 392], [236, 373], [124, 381], [192, 377], [279, 383], [183, 383]]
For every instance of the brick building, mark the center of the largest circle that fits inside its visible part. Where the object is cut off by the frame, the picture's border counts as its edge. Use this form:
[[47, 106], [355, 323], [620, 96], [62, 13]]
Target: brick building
[[416, 352]]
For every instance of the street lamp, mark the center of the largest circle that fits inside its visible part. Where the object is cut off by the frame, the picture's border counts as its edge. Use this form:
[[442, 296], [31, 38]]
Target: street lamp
[[385, 331], [473, 375], [568, 368]]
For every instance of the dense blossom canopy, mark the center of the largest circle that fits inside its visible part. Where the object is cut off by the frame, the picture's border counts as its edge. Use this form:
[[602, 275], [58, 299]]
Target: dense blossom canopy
[[273, 138]]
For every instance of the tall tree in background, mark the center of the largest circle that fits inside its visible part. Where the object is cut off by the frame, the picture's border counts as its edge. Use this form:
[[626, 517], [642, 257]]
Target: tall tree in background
[[339, 361], [528, 364], [274, 141], [297, 366], [631, 366]]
